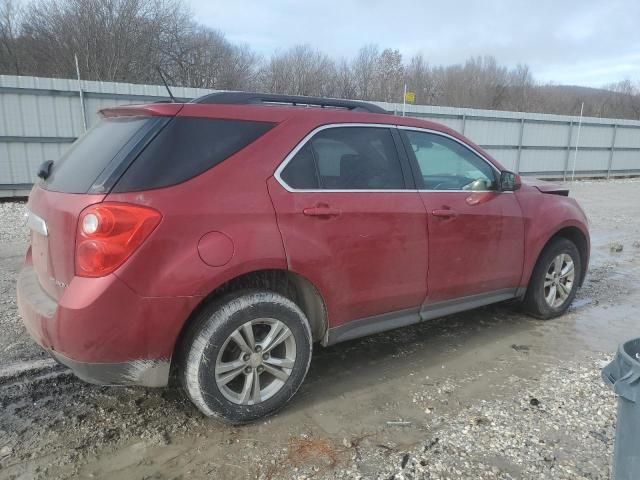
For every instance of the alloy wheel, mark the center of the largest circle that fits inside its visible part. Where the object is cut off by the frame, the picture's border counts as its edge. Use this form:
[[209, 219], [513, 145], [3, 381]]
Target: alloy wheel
[[255, 361], [559, 280]]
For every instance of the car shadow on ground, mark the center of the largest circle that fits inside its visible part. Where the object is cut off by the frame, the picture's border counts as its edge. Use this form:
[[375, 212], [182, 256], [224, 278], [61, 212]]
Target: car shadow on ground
[[345, 367]]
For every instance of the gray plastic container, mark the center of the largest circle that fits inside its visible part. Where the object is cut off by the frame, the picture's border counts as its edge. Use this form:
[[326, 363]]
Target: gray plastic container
[[623, 373]]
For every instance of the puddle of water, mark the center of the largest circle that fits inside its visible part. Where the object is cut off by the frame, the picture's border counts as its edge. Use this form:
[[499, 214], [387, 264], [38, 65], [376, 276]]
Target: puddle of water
[[604, 327], [580, 302]]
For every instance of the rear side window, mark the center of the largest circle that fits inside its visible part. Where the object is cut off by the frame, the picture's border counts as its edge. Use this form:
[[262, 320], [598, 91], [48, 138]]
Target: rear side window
[[301, 172], [80, 166], [347, 158], [186, 147]]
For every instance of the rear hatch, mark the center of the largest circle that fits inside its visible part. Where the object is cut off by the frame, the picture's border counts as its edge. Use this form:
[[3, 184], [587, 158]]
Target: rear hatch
[[82, 177]]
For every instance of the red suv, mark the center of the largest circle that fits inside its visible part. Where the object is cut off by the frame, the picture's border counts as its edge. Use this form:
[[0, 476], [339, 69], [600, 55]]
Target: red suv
[[218, 240]]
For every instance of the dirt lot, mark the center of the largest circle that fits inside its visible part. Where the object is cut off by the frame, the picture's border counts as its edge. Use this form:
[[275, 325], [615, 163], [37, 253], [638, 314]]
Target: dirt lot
[[489, 394]]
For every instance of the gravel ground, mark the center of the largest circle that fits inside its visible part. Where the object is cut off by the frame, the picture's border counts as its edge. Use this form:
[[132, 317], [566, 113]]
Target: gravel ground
[[12, 223], [487, 394], [15, 344], [533, 435]]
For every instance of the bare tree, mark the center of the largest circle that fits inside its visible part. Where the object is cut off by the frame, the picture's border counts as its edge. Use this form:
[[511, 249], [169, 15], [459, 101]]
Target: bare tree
[[241, 69], [196, 56], [300, 70], [625, 98], [521, 89], [346, 85], [10, 58], [364, 71], [420, 79], [389, 76], [115, 40], [124, 40]]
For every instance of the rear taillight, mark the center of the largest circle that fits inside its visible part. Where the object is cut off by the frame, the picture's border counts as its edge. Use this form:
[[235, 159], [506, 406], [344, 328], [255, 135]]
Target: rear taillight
[[108, 233]]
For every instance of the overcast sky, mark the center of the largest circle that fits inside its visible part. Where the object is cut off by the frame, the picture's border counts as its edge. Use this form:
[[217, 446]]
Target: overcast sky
[[586, 42]]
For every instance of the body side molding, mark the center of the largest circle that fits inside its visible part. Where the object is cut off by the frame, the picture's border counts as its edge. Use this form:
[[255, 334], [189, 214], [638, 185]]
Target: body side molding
[[392, 320]]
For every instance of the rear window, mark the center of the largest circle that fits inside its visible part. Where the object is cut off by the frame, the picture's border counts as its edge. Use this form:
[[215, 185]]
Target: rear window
[[77, 170], [186, 147]]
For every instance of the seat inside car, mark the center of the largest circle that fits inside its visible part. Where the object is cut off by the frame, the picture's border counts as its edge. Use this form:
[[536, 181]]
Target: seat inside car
[[354, 172]]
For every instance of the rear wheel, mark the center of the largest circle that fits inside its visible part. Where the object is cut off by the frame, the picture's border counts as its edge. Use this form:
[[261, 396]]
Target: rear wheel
[[555, 279], [246, 356]]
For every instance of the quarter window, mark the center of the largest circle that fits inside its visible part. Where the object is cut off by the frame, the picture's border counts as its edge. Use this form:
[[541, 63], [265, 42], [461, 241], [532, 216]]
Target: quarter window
[[301, 171], [187, 147], [347, 158], [448, 165]]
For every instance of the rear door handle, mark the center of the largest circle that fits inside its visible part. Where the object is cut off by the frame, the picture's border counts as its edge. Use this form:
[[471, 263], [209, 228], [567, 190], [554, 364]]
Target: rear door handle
[[444, 213], [321, 211]]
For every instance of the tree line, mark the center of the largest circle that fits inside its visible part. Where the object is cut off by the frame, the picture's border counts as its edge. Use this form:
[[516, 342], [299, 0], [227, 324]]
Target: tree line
[[126, 40]]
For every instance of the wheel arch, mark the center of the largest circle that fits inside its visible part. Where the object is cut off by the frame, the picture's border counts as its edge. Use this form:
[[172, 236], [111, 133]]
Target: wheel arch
[[579, 239], [291, 285]]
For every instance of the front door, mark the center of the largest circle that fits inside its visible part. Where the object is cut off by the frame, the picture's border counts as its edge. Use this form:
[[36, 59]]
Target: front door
[[476, 233], [349, 223]]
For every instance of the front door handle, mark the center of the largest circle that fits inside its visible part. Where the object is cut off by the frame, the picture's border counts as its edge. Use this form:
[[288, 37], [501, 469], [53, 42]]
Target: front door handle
[[444, 213], [321, 210]]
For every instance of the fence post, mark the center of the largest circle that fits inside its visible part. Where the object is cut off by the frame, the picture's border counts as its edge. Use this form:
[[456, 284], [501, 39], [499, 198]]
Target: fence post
[[613, 146], [464, 122], [566, 158], [520, 145]]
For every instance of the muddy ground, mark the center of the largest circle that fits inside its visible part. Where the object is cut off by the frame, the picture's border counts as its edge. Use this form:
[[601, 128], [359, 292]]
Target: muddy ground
[[489, 394]]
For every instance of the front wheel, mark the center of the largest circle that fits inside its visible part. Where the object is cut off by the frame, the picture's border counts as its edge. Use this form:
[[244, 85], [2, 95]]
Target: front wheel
[[246, 356], [555, 279]]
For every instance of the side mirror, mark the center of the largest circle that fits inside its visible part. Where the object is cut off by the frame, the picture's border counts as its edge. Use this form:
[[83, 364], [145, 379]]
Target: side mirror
[[509, 181]]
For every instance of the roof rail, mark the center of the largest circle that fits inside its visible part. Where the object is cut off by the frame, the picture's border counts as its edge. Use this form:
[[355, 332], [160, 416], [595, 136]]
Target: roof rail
[[247, 98]]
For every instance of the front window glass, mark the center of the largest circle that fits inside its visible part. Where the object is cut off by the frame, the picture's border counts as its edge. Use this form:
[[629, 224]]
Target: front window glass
[[447, 165]]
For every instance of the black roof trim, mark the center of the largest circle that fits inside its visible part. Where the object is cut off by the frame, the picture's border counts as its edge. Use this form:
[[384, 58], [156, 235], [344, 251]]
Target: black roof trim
[[247, 98]]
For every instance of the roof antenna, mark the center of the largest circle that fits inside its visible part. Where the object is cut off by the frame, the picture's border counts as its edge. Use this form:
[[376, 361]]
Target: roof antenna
[[173, 99]]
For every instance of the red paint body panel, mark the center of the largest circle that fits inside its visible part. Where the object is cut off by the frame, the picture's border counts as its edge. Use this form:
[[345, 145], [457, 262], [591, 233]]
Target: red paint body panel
[[544, 215], [384, 252], [368, 260], [215, 249], [53, 255], [480, 249], [231, 198], [101, 320]]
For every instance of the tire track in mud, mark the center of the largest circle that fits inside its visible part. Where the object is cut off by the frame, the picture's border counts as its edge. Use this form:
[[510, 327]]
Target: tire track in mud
[[25, 368]]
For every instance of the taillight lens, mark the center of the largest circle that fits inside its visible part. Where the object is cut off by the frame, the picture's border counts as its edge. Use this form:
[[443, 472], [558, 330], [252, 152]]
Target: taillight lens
[[108, 233]]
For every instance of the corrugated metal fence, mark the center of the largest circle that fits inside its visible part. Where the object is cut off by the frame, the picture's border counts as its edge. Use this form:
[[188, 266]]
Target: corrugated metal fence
[[40, 117]]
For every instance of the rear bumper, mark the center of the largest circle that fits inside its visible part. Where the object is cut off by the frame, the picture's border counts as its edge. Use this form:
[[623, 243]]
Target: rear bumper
[[148, 373], [102, 330]]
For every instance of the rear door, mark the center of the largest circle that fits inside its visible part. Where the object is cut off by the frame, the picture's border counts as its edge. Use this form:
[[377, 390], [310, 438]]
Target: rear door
[[476, 233], [351, 221]]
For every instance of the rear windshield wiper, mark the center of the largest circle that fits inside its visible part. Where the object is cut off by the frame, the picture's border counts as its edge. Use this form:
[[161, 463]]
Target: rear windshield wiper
[[45, 169]]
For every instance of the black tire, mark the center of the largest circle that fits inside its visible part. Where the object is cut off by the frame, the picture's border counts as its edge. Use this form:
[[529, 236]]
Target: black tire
[[206, 338], [534, 301]]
